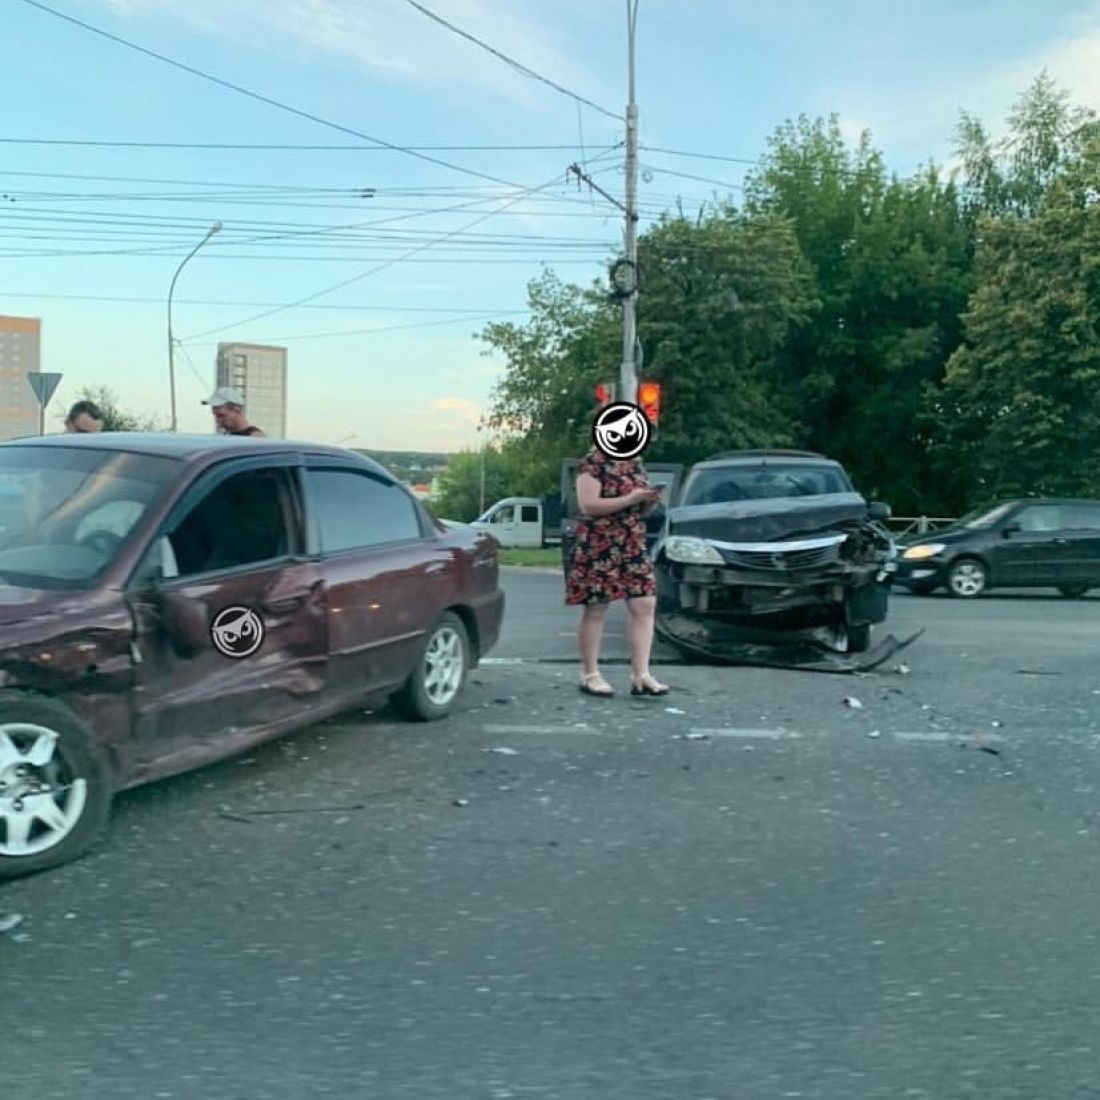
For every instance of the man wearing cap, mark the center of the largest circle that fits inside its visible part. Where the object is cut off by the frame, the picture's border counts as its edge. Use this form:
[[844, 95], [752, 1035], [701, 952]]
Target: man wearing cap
[[228, 406]]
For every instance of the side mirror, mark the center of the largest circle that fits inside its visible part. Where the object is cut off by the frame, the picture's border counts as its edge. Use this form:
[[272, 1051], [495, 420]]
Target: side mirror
[[184, 622], [879, 511], [1010, 529]]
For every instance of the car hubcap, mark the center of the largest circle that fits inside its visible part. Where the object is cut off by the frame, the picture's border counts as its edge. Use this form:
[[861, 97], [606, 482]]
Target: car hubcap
[[968, 579], [40, 802], [444, 665]]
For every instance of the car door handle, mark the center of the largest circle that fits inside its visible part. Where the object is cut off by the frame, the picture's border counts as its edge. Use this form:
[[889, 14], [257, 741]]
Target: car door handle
[[285, 605], [1059, 542]]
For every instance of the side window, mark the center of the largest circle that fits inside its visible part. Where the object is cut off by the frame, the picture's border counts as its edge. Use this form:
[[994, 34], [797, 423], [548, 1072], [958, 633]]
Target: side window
[[1082, 517], [356, 510], [241, 521], [530, 513], [1040, 518], [504, 515]]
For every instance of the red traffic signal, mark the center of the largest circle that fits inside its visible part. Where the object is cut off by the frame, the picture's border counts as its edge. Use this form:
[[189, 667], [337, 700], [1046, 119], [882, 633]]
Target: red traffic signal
[[605, 394], [649, 397]]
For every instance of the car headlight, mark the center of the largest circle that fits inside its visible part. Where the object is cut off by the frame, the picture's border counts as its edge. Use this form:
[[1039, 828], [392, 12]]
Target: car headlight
[[920, 553], [693, 551]]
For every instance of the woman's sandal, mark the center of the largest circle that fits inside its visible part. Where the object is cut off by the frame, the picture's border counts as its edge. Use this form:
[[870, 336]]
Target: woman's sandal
[[586, 689], [648, 686]]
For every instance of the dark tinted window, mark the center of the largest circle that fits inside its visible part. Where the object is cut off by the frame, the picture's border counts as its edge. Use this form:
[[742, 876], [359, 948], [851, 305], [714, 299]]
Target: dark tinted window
[[1081, 517], [241, 521], [355, 510], [1039, 518], [530, 514], [764, 481]]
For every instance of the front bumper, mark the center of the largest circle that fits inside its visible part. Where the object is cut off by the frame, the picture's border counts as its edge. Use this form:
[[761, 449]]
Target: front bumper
[[841, 591]]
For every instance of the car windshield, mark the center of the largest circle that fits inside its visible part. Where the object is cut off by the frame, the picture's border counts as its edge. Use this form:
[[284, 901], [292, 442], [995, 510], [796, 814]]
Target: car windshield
[[763, 481], [66, 512], [982, 518]]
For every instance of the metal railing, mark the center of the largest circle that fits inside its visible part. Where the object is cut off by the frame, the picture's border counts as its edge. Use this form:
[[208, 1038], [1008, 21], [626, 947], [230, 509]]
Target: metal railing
[[900, 526]]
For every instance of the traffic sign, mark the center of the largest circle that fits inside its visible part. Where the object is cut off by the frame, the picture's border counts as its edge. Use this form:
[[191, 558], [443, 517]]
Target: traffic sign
[[44, 385]]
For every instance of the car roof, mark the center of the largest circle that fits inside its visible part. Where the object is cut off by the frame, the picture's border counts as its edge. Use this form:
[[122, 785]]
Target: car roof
[[194, 448], [752, 456]]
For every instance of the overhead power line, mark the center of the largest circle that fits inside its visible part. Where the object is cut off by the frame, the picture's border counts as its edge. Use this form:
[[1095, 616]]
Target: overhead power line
[[303, 147], [511, 61], [379, 267], [159, 302], [259, 97]]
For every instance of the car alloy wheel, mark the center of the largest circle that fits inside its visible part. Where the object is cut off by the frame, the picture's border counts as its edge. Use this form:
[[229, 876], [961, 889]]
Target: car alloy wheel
[[440, 672], [968, 579], [41, 802], [55, 784], [446, 663]]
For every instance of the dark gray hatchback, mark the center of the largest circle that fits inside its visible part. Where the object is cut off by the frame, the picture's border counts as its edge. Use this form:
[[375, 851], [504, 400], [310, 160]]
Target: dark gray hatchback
[[1042, 543]]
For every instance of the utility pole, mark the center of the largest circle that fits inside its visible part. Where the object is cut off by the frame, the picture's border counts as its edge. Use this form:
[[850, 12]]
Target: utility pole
[[628, 374]]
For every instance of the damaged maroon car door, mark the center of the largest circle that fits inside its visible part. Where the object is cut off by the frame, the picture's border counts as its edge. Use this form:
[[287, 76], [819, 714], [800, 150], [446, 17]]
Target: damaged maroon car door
[[231, 637]]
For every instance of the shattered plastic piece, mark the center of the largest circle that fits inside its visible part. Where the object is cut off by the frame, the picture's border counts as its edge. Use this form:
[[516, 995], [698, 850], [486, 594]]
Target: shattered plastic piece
[[875, 733], [674, 710], [461, 802], [991, 750], [696, 737], [10, 921], [902, 670], [996, 725], [504, 751], [852, 702]]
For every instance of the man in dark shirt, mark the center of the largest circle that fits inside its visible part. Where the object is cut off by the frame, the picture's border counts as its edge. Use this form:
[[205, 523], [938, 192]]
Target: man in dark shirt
[[84, 416], [227, 404]]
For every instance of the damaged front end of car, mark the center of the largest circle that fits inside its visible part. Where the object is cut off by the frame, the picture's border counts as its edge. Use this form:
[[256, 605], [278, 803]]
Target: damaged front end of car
[[779, 572]]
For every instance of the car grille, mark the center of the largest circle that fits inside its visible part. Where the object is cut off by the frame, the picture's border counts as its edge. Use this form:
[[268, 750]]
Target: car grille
[[781, 560]]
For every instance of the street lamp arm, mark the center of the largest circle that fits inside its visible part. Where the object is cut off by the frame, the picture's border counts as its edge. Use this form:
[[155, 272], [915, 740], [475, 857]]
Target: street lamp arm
[[215, 228]]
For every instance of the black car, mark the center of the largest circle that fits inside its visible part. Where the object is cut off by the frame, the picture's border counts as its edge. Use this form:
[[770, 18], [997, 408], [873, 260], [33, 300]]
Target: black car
[[771, 543], [1016, 544]]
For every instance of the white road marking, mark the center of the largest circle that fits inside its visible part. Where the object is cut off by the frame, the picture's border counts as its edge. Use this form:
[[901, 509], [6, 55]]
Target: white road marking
[[940, 737], [503, 660], [536, 730], [769, 735]]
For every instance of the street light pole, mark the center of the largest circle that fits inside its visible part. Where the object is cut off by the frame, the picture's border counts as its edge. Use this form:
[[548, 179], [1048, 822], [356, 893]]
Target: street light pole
[[628, 373], [215, 228]]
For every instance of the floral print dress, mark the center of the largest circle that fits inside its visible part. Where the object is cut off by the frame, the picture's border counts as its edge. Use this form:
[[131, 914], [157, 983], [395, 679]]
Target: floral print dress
[[610, 560]]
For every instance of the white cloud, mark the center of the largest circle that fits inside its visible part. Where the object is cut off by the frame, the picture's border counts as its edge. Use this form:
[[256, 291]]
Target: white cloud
[[393, 39]]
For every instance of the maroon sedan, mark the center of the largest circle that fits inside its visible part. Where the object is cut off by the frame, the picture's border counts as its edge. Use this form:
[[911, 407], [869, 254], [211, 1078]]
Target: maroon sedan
[[166, 601]]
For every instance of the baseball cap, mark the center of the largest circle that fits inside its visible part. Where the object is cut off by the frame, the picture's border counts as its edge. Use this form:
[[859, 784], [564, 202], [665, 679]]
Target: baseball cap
[[225, 395]]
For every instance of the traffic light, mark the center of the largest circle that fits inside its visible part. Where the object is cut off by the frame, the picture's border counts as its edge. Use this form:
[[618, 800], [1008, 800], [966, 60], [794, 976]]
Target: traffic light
[[649, 397], [605, 394]]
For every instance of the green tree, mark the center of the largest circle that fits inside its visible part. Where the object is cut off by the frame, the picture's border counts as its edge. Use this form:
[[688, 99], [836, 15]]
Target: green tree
[[1022, 398], [115, 418], [890, 263], [720, 295], [460, 485]]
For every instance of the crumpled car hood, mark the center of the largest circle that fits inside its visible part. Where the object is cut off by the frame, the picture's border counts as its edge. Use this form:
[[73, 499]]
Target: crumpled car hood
[[19, 604], [768, 520]]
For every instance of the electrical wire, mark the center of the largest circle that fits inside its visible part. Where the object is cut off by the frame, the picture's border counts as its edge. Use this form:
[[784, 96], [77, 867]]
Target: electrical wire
[[511, 61], [295, 337], [296, 148], [259, 97], [372, 270], [222, 303]]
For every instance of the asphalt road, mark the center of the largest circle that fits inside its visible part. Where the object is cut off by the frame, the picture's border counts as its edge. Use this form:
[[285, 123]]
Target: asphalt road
[[737, 892]]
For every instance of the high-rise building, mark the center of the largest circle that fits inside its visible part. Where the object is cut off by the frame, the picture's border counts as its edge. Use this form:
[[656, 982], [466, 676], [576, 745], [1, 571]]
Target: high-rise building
[[259, 372], [20, 351]]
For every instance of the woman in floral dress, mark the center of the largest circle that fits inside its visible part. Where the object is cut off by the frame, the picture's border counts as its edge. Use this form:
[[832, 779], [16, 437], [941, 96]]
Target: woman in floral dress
[[610, 561]]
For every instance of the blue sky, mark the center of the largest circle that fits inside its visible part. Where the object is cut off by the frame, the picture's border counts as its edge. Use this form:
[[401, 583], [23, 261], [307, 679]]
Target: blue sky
[[94, 256]]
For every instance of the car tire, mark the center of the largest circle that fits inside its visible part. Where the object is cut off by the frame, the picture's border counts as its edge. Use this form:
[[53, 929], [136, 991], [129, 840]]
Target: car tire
[[859, 638], [440, 673], [68, 756], [1073, 591], [967, 579]]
